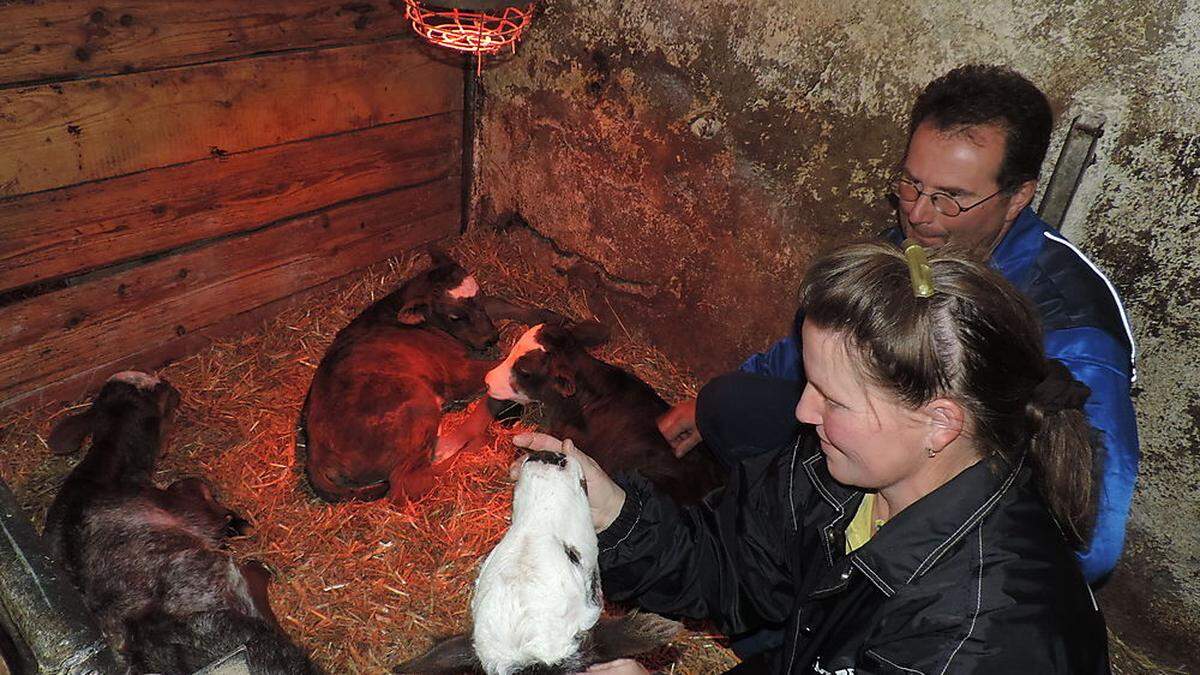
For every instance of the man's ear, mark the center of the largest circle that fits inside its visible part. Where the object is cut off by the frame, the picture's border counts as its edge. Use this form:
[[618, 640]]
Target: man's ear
[[1020, 199], [946, 419], [413, 313]]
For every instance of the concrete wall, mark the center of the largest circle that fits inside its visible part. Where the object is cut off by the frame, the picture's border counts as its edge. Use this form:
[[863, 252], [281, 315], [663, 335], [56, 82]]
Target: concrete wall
[[681, 160]]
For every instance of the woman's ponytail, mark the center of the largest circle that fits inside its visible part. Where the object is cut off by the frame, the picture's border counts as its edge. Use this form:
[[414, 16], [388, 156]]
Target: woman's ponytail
[[1064, 451]]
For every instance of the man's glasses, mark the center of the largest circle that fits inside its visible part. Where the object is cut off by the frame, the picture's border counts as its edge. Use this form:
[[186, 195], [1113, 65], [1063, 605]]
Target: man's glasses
[[946, 205]]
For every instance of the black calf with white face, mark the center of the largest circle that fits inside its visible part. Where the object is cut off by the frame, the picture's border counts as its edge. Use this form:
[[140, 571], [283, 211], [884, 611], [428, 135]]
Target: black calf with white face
[[608, 412], [545, 363]]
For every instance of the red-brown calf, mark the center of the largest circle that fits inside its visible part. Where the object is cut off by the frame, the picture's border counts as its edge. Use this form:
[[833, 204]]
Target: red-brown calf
[[370, 422]]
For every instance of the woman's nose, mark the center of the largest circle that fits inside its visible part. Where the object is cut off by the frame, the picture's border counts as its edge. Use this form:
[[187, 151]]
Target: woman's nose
[[806, 409]]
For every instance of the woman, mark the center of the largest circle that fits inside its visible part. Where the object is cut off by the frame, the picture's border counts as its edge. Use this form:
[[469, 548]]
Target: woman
[[921, 522]]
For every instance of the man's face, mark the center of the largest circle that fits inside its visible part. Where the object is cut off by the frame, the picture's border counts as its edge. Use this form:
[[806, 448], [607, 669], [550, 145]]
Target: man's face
[[963, 163]]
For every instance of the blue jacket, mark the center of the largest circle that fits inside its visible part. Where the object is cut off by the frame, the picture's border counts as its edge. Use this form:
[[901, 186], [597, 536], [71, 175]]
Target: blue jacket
[[1087, 329]]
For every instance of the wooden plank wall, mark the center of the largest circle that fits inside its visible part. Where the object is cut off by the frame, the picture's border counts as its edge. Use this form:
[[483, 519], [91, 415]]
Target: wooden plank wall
[[173, 170]]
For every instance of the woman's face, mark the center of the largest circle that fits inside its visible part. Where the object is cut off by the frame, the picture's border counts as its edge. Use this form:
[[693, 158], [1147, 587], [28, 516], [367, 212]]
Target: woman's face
[[869, 440]]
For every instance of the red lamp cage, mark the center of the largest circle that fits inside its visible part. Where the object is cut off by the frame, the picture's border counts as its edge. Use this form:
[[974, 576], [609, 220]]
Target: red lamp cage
[[480, 32]]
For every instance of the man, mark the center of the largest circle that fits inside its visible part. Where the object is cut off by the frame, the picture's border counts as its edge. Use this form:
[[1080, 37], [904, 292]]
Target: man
[[977, 138]]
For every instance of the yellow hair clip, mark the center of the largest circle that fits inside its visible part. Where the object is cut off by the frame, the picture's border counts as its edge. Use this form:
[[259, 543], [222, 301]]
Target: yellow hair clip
[[918, 269]]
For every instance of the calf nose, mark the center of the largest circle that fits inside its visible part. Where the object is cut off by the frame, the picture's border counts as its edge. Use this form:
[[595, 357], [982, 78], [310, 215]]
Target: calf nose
[[498, 385], [547, 457]]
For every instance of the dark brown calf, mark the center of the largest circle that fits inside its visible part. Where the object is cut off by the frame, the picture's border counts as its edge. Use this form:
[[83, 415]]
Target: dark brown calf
[[609, 413], [370, 422]]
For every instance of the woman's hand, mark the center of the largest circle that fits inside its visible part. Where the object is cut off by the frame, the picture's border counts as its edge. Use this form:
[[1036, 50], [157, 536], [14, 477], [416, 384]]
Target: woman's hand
[[605, 498], [619, 667]]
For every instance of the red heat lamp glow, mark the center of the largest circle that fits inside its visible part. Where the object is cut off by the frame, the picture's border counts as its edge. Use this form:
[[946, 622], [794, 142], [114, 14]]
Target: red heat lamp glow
[[479, 32]]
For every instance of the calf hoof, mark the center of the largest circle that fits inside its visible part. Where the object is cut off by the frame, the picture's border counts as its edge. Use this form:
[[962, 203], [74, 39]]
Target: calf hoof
[[453, 443]]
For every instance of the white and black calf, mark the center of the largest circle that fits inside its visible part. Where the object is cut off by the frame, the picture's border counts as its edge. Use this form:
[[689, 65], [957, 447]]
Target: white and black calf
[[149, 562], [609, 413], [537, 601]]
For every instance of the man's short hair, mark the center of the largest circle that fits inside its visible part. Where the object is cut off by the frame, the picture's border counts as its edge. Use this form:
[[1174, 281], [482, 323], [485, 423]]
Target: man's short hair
[[975, 95]]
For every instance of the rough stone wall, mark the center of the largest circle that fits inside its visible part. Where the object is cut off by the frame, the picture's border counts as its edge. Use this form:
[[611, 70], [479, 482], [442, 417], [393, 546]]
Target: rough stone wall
[[682, 159]]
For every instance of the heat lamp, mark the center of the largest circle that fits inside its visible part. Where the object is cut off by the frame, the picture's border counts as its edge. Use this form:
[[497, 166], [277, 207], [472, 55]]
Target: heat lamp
[[479, 27]]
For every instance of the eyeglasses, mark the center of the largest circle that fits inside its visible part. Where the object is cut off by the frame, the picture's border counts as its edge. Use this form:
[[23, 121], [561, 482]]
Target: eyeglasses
[[946, 205]]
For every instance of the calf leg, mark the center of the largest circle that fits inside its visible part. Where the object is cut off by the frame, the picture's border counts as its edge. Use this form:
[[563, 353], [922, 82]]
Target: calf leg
[[193, 499], [498, 308], [258, 579]]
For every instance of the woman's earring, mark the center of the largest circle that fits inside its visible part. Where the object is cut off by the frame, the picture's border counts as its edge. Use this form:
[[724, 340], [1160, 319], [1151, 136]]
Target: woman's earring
[[930, 452]]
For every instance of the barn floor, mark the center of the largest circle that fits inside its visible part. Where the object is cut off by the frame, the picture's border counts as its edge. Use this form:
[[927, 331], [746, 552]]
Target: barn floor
[[362, 586]]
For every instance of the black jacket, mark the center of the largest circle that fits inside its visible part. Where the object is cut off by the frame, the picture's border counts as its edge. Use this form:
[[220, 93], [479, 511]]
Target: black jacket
[[973, 578]]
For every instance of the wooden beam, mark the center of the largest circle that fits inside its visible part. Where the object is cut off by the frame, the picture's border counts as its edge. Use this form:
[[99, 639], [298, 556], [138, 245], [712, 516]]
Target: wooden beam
[[72, 230], [57, 135], [68, 39], [112, 319]]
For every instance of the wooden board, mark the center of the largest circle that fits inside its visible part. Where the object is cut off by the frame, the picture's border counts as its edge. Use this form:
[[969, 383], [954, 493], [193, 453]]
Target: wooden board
[[71, 230], [57, 135], [60, 335], [67, 39]]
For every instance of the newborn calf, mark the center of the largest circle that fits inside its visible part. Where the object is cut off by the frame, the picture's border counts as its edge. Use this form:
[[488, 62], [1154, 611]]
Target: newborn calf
[[369, 425], [537, 601], [149, 562], [608, 412]]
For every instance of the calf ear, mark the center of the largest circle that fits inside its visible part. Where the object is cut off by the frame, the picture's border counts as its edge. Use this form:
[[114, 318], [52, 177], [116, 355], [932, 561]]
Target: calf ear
[[168, 398], [452, 655], [633, 634], [590, 333], [563, 381], [68, 435], [438, 257], [413, 313]]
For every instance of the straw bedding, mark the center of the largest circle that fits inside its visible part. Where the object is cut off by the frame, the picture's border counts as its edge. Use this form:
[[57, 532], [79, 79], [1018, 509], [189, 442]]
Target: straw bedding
[[362, 586]]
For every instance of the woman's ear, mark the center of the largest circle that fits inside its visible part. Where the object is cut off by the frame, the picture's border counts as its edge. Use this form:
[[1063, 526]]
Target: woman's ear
[[946, 419]]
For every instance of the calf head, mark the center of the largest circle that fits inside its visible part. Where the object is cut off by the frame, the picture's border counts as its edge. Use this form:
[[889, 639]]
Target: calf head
[[551, 488], [126, 395], [446, 297], [544, 363]]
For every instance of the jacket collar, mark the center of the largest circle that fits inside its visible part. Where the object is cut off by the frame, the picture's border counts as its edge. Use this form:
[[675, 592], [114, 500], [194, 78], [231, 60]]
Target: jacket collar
[[1017, 250], [912, 542]]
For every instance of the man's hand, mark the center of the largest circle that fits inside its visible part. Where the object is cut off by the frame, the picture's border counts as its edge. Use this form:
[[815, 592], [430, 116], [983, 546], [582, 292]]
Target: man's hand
[[604, 496], [678, 426]]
